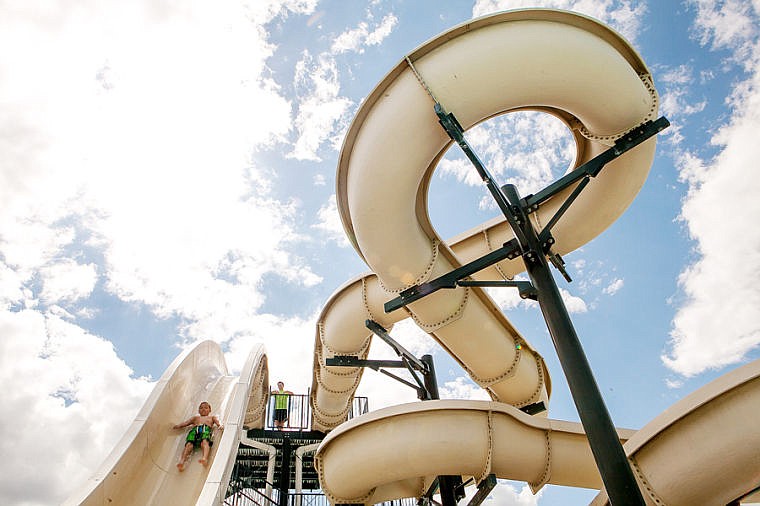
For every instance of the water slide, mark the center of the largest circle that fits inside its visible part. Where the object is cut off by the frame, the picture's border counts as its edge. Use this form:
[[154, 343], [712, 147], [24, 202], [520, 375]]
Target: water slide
[[553, 61], [141, 468], [702, 450], [588, 76]]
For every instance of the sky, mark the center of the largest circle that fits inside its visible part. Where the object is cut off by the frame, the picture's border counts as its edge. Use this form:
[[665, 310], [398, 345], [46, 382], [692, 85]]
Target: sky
[[167, 175]]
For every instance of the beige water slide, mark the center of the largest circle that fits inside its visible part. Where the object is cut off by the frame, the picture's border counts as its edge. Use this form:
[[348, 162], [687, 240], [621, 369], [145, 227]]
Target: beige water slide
[[588, 76], [703, 450], [141, 468], [553, 61]]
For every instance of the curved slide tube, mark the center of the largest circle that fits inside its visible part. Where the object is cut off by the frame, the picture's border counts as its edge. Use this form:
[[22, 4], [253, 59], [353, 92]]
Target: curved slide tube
[[702, 450], [553, 61], [488, 437], [141, 468], [341, 331]]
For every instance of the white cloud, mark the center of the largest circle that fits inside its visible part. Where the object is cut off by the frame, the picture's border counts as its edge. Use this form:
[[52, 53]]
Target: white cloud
[[70, 397], [614, 286], [463, 388], [289, 341], [354, 39], [12, 290], [674, 383], [528, 149], [320, 106], [329, 222], [67, 281], [573, 303], [507, 494], [509, 298], [350, 40], [263, 11], [717, 323], [386, 26], [322, 113], [676, 102], [126, 141], [730, 24]]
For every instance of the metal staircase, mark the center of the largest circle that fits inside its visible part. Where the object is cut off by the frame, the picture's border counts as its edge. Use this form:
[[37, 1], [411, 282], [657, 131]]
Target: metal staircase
[[291, 479]]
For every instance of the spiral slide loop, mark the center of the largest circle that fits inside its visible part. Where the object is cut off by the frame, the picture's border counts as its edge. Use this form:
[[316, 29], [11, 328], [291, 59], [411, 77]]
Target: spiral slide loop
[[553, 61]]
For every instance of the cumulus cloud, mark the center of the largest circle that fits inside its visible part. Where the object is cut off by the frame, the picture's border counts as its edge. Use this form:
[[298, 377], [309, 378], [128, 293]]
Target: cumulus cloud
[[717, 212], [676, 102], [67, 281], [528, 149], [125, 167], [288, 341], [321, 107], [673, 101], [463, 388], [573, 303], [322, 111], [71, 398], [329, 222], [614, 286], [355, 39], [507, 494], [509, 298], [730, 24]]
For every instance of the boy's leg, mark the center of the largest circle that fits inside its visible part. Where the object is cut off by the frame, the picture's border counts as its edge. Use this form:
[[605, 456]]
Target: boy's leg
[[185, 456], [205, 447]]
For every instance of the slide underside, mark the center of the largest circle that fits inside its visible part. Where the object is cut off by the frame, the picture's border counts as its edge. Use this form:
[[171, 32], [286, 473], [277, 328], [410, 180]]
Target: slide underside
[[142, 470]]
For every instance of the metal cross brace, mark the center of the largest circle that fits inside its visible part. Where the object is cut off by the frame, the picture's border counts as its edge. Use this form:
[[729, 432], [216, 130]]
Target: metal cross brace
[[484, 488], [517, 247], [509, 250], [375, 365], [525, 288], [408, 361]]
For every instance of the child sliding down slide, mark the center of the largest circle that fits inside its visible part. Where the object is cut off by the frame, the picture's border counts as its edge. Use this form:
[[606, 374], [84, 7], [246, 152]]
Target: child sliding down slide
[[200, 435]]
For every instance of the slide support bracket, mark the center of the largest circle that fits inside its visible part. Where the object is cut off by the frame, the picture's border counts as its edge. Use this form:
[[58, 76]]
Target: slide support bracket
[[427, 389]]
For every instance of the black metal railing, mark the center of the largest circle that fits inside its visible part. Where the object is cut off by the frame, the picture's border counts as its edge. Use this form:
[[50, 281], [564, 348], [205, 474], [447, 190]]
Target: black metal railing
[[257, 497], [239, 495], [299, 412]]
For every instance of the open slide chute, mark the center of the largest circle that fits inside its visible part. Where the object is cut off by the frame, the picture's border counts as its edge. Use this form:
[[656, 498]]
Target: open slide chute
[[141, 468]]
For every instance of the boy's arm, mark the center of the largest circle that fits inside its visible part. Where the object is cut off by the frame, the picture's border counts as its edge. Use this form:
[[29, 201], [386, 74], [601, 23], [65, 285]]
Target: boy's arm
[[187, 422], [216, 422]]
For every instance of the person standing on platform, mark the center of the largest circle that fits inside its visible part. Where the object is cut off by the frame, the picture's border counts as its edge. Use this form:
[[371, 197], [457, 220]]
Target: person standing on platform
[[281, 401]]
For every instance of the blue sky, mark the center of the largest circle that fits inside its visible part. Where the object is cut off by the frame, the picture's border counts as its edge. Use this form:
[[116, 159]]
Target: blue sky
[[167, 174]]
